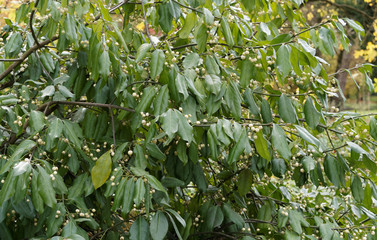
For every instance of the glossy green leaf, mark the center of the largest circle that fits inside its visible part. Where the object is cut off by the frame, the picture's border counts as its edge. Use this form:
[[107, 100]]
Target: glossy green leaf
[[227, 31], [261, 146], [169, 123], [245, 181], [101, 171], [45, 188], [201, 38], [190, 22], [166, 17], [159, 226], [357, 188], [140, 230], [278, 167], [286, 110], [157, 63], [282, 60], [312, 116], [238, 148], [142, 51], [279, 142], [213, 218], [307, 136], [373, 127], [37, 121]]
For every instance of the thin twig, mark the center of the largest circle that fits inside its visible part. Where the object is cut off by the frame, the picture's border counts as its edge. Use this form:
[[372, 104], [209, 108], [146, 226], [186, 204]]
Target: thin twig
[[11, 60], [147, 25], [192, 9], [31, 24], [89, 104]]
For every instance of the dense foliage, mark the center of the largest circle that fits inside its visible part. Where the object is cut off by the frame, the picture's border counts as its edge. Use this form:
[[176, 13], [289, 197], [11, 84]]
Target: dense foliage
[[180, 119]]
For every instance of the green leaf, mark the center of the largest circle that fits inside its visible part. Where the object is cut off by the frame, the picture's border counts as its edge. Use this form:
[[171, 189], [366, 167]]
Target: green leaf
[[296, 219], [208, 16], [155, 183], [279, 142], [45, 189], [308, 164], [312, 116], [139, 192], [24, 147], [169, 123], [266, 111], [373, 127], [190, 22], [70, 28], [155, 151], [326, 42], [159, 226], [282, 60], [185, 130], [182, 153], [101, 171], [286, 110], [238, 148], [213, 84], [166, 18], [191, 60], [201, 38], [278, 167], [214, 217], [140, 160], [333, 170], [245, 181], [233, 216], [13, 45], [177, 216], [227, 31], [157, 63], [181, 85], [307, 136], [161, 102], [70, 132], [104, 12], [356, 26], [357, 148], [357, 188], [261, 146], [140, 230], [253, 107], [233, 99], [148, 95], [142, 51], [246, 73], [37, 120], [21, 167], [8, 188], [48, 91]]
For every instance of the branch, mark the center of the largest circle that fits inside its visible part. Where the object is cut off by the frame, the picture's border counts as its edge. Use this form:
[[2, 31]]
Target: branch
[[21, 59], [10, 60], [31, 24], [350, 8], [313, 27], [88, 104], [192, 9], [214, 233]]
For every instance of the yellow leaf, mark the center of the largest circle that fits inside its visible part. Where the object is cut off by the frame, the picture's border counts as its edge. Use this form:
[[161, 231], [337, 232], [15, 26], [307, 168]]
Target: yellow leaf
[[101, 171], [140, 26]]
